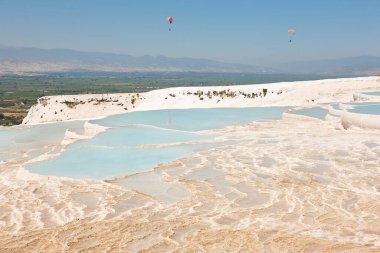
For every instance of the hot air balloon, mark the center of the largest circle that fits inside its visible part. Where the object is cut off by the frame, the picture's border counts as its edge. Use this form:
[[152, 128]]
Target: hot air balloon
[[170, 21], [291, 33]]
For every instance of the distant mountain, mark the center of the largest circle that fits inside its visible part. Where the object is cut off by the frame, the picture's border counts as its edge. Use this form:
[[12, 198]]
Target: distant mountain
[[34, 60], [363, 65], [43, 60]]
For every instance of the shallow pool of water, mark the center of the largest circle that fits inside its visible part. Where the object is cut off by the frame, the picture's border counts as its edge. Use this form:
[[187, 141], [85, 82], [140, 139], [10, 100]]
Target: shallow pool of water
[[315, 112], [20, 140], [373, 109], [136, 135], [107, 162], [130, 145], [373, 93], [193, 119]]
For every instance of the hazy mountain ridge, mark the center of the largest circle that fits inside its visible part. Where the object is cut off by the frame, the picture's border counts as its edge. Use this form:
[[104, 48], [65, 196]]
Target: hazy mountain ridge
[[35, 60], [40, 60]]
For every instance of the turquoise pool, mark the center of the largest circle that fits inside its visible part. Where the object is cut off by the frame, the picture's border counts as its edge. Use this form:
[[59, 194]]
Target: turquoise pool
[[107, 162], [127, 148], [315, 112], [24, 140], [193, 119], [373, 93], [373, 109]]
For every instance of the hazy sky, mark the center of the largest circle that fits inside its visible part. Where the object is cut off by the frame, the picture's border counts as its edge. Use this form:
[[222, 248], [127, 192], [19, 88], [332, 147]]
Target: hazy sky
[[241, 31]]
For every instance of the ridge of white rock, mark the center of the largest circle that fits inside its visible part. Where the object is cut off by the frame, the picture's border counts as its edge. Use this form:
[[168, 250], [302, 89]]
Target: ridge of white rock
[[299, 93]]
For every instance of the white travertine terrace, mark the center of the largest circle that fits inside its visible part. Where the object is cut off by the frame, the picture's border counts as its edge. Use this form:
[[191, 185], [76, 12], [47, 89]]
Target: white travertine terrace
[[306, 93], [293, 185], [350, 119]]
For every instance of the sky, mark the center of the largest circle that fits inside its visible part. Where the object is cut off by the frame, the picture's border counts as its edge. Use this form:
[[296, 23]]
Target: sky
[[237, 31]]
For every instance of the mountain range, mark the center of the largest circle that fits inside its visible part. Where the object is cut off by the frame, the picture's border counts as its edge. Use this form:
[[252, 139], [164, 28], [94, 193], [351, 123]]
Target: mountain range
[[40, 60], [34, 60]]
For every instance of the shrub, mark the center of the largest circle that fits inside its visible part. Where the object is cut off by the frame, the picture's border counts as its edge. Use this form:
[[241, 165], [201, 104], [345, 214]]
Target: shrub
[[198, 93], [43, 101], [71, 104]]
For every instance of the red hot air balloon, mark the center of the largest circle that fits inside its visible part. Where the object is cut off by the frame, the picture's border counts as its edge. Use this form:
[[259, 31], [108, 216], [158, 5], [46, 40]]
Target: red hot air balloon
[[170, 21], [291, 34]]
